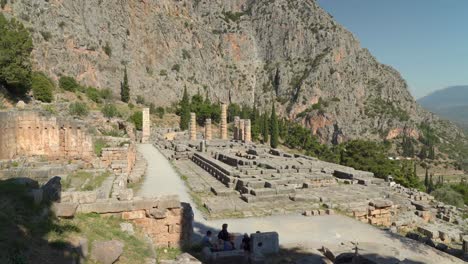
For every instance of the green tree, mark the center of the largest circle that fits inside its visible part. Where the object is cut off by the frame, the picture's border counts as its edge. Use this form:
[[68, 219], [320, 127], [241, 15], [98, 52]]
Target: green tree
[[68, 83], [137, 120], [42, 87], [274, 141], [125, 88], [15, 56], [184, 111]]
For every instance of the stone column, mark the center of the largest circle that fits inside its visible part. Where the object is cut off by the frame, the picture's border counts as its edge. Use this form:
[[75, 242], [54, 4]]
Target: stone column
[[247, 133], [236, 127], [193, 127], [146, 125], [223, 126], [208, 135], [241, 129]]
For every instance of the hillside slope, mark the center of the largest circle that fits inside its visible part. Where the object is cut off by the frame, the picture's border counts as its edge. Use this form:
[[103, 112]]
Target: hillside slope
[[450, 103], [239, 51]]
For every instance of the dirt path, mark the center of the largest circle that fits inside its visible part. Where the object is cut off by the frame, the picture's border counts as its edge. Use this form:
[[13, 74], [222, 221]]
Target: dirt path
[[294, 230]]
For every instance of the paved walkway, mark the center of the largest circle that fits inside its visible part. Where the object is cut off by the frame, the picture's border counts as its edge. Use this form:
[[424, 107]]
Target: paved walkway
[[294, 230]]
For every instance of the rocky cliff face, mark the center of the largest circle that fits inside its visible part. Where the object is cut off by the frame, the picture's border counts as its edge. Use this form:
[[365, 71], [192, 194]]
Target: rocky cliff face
[[241, 51]]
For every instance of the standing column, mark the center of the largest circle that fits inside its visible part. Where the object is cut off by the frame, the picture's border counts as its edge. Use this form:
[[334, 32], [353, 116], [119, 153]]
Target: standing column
[[224, 121], [193, 126], [241, 129], [208, 135], [236, 127], [247, 134], [146, 125]]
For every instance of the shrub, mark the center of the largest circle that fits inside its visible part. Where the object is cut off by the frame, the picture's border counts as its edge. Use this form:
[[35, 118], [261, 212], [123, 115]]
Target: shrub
[[69, 84], [99, 144], [448, 195], [42, 87], [140, 99], [46, 35], [107, 49], [163, 73], [110, 110], [50, 109], [176, 67], [15, 59], [78, 109], [131, 106], [160, 111], [93, 94], [137, 119], [106, 94]]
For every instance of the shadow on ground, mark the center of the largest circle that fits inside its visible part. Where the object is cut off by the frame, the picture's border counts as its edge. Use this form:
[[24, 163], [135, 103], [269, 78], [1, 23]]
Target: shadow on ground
[[25, 226]]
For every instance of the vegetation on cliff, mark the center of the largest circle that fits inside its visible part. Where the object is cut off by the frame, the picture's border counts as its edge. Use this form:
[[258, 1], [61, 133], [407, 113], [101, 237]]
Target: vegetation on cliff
[[15, 56]]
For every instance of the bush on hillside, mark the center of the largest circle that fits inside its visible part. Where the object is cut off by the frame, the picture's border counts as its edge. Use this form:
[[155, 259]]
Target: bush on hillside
[[93, 94], [106, 94], [78, 109], [448, 195], [42, 87], [15, 56], [137, 119], [69, 84], [110, 110]]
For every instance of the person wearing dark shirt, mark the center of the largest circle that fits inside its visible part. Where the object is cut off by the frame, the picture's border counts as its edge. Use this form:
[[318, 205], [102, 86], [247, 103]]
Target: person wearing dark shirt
[[224, 234], [246, 242]]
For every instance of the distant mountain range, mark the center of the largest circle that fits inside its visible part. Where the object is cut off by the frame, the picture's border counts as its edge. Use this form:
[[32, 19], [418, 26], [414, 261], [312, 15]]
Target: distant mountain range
[[451, 103]]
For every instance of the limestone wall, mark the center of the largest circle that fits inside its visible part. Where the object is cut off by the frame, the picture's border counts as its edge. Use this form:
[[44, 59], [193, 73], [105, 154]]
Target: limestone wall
[[120, 160], [30, 134], [7, 135]]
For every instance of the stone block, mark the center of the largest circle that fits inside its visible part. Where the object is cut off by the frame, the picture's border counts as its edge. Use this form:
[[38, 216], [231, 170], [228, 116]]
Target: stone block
[[107, 252], [429, 232], [157, 213], [168, 202], [378, 204], [134, 215], [421, 206], [65, 210], [264, 243], [125, 195]]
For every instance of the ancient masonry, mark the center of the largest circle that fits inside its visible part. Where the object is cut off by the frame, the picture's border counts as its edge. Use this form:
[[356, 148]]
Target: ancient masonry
[[208, 134], [241, 130], [248, 128], [31, 134], [236, 128], [146, 125], [255, 180], [193, 126], [166, 221], [223, 126]]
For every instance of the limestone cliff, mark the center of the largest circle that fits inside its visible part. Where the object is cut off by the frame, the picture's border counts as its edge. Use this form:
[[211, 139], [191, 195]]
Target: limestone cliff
[[242, 51]]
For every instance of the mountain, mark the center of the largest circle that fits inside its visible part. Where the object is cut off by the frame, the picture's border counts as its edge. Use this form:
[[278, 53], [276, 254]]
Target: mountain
[[451, 103], [291, 53]]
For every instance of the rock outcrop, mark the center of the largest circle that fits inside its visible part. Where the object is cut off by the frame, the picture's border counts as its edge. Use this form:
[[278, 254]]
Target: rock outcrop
[[243, 51]]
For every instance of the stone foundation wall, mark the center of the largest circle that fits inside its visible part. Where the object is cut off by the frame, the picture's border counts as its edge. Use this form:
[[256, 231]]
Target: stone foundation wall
[[120, 160], [30, 134]]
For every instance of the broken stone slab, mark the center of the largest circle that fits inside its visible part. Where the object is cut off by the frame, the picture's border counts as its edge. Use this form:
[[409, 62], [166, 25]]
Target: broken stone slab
[[378, 204], [107, 252], [116, 206], [264, 243], [157, 213], [421, 206], [66, 210]]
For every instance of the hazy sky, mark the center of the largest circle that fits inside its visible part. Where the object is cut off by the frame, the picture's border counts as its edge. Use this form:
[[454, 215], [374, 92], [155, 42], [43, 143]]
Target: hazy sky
[[425, 40]]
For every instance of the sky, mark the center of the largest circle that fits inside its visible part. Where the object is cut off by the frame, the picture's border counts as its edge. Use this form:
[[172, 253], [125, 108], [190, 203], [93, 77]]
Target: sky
[[425, 40]]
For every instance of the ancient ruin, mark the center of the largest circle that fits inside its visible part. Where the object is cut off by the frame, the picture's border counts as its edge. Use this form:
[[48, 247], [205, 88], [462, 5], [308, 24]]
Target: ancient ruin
[[223, 125], [193, 127], [31, 134], [208, 134], [146, 125]]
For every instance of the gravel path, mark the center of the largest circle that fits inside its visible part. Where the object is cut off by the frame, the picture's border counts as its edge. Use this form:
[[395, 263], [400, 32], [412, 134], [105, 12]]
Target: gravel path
[[294, 230]]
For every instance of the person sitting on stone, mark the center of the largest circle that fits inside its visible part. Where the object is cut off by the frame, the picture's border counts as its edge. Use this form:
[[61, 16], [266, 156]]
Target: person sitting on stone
[[245, 242], [224, 234], [206, 241]]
